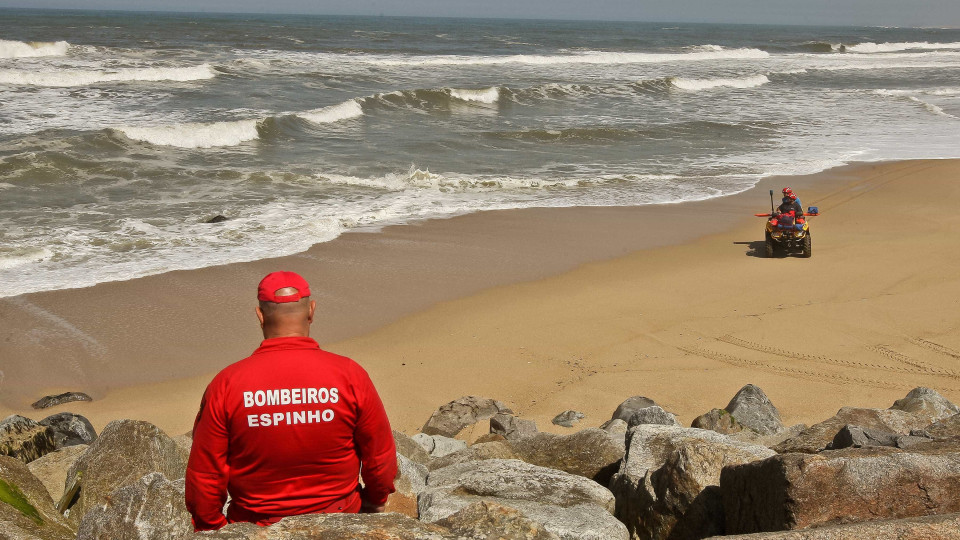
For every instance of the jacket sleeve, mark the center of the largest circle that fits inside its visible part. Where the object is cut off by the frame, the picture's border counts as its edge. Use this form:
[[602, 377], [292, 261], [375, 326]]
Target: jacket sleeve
[[374, 443], [207, 473]]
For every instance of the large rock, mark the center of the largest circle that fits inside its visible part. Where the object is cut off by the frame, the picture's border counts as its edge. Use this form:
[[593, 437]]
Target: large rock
[[631, 405], [615, 427], [125, 452], [70, 429], [944, 429], [60, 399], [511, 427], [26, 509], [52, 468], [389, 526], [926, 403], [569, 506], [483, 520], [410, 449], [718, 420], [477, 452], [590, 453], [437, 445], [793, 491], [452, 418], [753, 409], [770, 441], [24, 439], [150, 509], [652, 415], [410, 480], [857, 437], [818, 436], [667, 485], [944, 527]]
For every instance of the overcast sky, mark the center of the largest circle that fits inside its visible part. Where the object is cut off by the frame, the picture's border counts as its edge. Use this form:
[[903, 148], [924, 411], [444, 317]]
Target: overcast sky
[[937, 13]]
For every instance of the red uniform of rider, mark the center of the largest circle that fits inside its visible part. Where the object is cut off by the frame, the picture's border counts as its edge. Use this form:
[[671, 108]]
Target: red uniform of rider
[[285, 430]]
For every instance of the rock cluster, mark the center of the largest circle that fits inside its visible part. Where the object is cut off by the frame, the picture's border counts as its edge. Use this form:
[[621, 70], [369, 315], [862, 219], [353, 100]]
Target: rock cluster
[[864, 473]]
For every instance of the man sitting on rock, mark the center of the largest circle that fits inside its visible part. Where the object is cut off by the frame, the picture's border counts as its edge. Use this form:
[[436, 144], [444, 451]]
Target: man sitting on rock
[[285, 431]]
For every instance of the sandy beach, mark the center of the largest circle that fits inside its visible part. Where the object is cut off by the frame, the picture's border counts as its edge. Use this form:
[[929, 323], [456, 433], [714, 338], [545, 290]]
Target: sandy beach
[[551, 309]]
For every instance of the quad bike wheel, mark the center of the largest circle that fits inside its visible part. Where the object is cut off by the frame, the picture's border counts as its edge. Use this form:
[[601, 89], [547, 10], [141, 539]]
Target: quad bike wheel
[[807, 246], [769, 245]]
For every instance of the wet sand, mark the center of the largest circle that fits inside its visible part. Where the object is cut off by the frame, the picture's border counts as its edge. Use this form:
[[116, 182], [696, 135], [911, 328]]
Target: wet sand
[[552, 309]]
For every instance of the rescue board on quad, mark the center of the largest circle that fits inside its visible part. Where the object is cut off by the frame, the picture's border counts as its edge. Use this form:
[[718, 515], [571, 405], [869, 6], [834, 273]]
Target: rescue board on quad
[[786, 233]]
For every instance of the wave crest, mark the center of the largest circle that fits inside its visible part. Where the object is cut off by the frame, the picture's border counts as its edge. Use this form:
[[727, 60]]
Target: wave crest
[[483, 95], [79, 77], [590, 57], [334, 113], [695, 85], [869, 47], [32, 49], [195, 135]]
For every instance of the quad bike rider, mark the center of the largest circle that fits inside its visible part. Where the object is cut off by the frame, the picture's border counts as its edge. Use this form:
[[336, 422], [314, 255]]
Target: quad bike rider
[[787, 229]]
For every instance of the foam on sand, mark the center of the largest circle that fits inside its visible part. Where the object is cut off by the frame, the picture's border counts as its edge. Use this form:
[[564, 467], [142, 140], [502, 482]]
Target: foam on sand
[[31, 49], [483, 95], [695, 85], [83, 77], [334, 113], [195, 135]]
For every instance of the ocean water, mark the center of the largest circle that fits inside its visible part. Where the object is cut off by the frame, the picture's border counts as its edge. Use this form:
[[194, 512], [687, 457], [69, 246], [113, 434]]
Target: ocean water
[[122, 134]]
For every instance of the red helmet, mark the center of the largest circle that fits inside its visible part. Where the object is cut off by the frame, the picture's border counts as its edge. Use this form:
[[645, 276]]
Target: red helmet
[[792, 196], [787, 191]]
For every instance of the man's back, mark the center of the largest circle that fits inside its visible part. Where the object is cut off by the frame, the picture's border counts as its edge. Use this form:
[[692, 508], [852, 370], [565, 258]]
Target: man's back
[[285, 431]]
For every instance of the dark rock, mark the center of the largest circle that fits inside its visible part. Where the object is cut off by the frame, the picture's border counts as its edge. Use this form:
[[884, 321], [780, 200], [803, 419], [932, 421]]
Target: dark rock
[[652, 415], [438, 445], [126, 451], [926, 403], [26, 509], [794, 491], [567, 505], [24, 439], [511, 427], [410, 449], [818, 436], [668, 483], [857, 437], [567, 418], [944, 429], [945, 527], [390, 526], [150, 509], [409, 482], [718, 420], [631, 405], [753, 409], [52, 468], [217, 219], [60, 399], [483, 520], [590, 453], [450, 419], [70, 429]]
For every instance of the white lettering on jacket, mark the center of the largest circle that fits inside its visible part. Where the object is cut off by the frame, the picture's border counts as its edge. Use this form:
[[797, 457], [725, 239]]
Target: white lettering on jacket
[[290, 396]]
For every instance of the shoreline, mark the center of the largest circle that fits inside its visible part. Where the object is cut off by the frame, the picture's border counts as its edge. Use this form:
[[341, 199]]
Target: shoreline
[[183, 326]]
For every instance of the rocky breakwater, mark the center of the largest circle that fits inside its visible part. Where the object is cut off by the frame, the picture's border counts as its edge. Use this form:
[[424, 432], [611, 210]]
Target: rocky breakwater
[[640, 475]]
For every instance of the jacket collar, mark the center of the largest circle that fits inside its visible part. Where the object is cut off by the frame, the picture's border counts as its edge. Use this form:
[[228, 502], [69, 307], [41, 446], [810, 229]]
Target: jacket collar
[[286, 343]]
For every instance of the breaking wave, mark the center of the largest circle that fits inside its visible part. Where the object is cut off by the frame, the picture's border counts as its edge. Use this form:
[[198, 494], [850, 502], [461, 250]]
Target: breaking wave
[[195, 135], [334, 113], [695, 85], [592, 57], [870, 47], [31, 49], [483, 95], [79, 77]]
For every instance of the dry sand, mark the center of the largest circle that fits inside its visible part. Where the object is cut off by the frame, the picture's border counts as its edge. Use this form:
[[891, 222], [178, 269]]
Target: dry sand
[[502, 304]]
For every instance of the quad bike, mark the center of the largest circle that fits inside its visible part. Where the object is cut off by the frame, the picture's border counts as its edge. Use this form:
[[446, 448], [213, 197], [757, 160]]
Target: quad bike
[[786, 233]]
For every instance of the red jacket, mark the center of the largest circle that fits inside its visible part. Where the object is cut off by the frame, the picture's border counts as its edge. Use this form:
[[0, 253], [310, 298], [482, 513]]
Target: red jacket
[[285, 431]]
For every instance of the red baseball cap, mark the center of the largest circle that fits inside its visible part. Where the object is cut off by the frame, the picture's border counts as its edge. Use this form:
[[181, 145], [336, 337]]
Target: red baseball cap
[[274, 281]]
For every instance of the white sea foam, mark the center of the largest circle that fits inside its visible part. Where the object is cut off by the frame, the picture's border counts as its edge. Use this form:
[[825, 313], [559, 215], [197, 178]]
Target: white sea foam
[[483, 95], [935, 109], [11, 258], [870, 47], [591, 57], [83, 77], [20, 49], [695, 85], [195, 135], [334, 113]]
